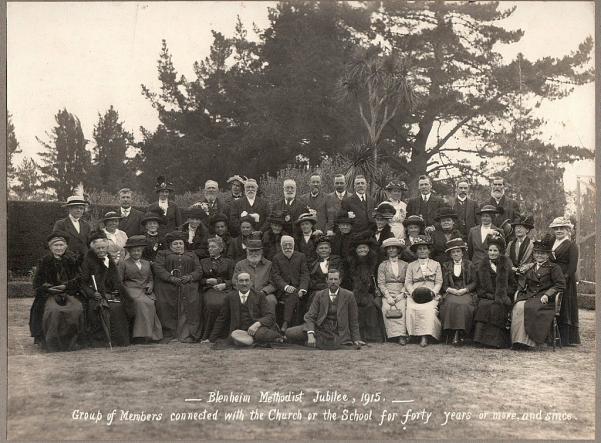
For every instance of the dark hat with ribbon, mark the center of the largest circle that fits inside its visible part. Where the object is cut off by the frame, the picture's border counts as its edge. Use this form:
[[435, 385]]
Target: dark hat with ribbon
[[57, 236], [276, 217], [237, 178], [396, 184], [446, 212], [385, 210], [414, 220], [495, 239], [455, 243], [96, 235], [111, 215], [545, 244], [363, 238], [150, 216], [218, 218], [524, 220], [307, 216], [343, 216], [254, 244], [195, 212], [249, 219], [322, 239], [135, 241], [421, 240], [173, 236], [163, 185], [422, 295], [489, 209]]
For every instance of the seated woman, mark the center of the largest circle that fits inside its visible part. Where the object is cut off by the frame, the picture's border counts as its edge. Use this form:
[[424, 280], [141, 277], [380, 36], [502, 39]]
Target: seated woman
[[215, 283], [116, 237], [237, 248], [218, 227], [341, 242], [177, 273], [136, 276], [423, 282], [273, 236], [362, 265], [459, 299], [305, 239], [494, 284], [533, 312], [56, 320], [318, 270], [414, 227], [195, 231], [382, 230], [391, 281], [108, 305], [446, 229]]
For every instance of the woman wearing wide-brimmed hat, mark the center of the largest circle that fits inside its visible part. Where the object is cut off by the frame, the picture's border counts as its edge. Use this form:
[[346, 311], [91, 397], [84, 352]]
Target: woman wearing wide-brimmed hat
[[414, 227], [177, 273], [391, 281], [362, 267], [423, 282], [237, 248], [218, 227], [495, 285], [56, 319], [381, 231], [534, 309], [519, 250], [458, 289], [446, 229], [171, 217], [116, 237], [273, 235], [195, 231], [565, 254], [74, 226], [394, 190], [304, 240], [476, 251], [136, 276], [154, 242]]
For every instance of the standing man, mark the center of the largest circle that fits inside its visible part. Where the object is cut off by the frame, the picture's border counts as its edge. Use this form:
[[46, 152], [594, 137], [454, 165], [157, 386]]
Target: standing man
[[210, 204], [251, 205], [511, 208], [465, 208], [326, 215], [290, 206], [131, 219], [77, 229], [236, 192], [426, 204], [360, 205], [314, 198]]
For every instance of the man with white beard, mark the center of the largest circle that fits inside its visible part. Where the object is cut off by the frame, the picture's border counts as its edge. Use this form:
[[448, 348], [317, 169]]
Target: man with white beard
[[291, 206], [252, 205], [511, 208]]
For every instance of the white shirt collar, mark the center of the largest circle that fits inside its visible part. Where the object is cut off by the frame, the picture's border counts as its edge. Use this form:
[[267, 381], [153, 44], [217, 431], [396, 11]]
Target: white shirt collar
[[361, 196], [340, 194], [426, 197], [462, 199], [243, 297], [74, 220], [335, 294], [558, 242], [251, 202], [106, 261]]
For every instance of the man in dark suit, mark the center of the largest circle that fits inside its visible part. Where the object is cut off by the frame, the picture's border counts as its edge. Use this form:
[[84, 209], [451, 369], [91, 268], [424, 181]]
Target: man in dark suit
[[251, 204], [426, 204], [248, 314], [314, 198], [75, 227], [291, 207], [465, 208], [331, 319], [290, 275], [361, 205], [511, 208], [326, 214], [210, 204], [131, 219]]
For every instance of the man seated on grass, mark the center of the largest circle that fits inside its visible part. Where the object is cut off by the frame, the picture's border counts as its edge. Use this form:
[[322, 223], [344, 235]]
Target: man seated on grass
[[332, 320], [249, 316]]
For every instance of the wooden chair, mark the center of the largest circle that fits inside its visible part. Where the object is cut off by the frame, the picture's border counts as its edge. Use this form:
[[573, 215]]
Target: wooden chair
[[555, 336]]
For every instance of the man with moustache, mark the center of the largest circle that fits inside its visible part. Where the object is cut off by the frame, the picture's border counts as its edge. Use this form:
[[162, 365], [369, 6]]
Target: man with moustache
[[291, 206], [210, 204], [511, 208], [426, 204], [77, 229], [131, 219], [252, 205], [361, 205], [314, 198], [465, 208], [326, 214]]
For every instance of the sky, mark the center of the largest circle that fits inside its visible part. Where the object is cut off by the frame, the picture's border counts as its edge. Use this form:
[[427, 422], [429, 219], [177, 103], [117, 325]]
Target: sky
[[88, 56]]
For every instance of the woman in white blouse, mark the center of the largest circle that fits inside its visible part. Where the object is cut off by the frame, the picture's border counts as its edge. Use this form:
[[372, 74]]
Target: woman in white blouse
[[117, 238], [395, 190], [423, 282], [391, 281]]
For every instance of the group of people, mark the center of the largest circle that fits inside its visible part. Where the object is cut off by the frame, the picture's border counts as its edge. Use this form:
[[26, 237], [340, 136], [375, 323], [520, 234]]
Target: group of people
[[324, 270]]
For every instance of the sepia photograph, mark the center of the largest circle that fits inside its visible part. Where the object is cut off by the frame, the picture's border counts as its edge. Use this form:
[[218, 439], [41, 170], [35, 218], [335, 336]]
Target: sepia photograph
[[300, 220]]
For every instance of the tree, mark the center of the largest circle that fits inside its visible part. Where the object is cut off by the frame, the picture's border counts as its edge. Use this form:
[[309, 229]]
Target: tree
[[110, 167], [462, 85], [28, 178], [65, 161], [12, 146]]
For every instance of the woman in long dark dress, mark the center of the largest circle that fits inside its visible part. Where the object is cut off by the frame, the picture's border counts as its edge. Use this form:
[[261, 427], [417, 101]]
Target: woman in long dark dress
[[177, 273], [534, 309], [362, 267], [154, 242], [459, 299], [272, 237], [341, 243], [565, 254], [215, 283], [494, 285], [382, 230], [56, 319]]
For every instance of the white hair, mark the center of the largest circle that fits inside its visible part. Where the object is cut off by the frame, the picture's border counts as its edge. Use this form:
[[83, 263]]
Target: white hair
[[289, 181], [286, 239], [211, 182]]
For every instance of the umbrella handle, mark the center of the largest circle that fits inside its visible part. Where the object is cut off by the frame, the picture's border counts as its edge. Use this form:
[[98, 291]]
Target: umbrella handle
[[94, 281]]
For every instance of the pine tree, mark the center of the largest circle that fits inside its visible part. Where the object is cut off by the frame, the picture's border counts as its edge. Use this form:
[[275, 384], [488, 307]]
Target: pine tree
[[12, 146], [27, 176]]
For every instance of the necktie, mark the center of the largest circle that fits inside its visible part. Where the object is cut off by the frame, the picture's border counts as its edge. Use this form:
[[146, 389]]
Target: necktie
[[243, 298], [517, 247], [333, 298]]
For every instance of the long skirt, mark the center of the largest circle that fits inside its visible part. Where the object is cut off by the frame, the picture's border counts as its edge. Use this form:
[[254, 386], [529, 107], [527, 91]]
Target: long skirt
[[179, 310], [457, 312], [371, 325], [146, 321], [395, 327], [422, 318], [212, 301], [568, 315], [62, 324], [518, 329], [490, 328], [111, 321]]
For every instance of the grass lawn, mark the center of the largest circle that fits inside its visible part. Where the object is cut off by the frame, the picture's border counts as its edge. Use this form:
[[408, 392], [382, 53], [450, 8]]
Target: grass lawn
[[45, 389]]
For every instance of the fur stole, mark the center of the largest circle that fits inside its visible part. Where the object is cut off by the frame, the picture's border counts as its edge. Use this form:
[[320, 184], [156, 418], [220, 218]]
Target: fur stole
[[501, 285]]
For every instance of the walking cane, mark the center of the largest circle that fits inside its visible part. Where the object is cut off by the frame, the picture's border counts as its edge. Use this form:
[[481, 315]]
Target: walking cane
[[105, 327], [177, 273]]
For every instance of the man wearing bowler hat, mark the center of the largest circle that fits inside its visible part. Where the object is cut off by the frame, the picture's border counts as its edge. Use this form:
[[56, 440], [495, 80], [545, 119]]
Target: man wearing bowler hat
[[77, 229], [249, 316]]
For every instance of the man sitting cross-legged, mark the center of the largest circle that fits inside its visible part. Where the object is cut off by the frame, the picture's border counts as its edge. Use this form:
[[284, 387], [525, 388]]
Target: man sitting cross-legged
[[249, 316]]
